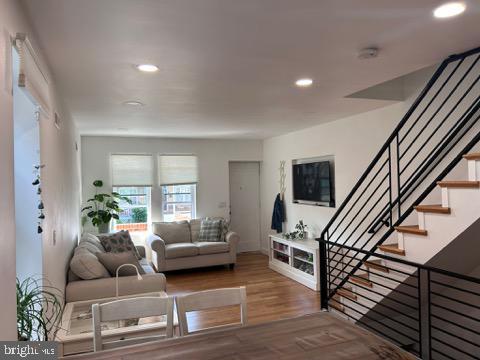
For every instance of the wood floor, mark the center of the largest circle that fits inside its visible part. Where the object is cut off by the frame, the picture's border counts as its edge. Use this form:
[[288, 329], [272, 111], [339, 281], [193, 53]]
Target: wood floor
[[270, 296]]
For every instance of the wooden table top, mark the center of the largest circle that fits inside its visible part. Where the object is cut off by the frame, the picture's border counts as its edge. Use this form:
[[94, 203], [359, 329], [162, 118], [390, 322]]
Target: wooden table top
[[316, 336]]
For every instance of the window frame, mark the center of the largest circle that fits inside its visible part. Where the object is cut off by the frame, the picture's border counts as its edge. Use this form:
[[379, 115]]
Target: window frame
[[192, 193], [148, 205]]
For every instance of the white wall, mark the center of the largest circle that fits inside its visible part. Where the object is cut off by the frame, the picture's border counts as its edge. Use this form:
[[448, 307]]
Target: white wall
[[61, 178], [353, 142], [213, 158]]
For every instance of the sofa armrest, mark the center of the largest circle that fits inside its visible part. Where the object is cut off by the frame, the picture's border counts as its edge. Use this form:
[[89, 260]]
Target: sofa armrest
[[141, 250], [232, 238], [106, 287], [157, 245]]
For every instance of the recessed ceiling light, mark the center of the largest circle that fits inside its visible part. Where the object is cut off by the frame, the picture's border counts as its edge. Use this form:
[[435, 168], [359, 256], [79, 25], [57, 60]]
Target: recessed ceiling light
[[449, 9], [147, 67], [133, 103], [304, 82]]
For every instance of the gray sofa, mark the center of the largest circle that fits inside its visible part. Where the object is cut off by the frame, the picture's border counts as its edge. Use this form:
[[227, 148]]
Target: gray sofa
[[101, 284], [175, 246]]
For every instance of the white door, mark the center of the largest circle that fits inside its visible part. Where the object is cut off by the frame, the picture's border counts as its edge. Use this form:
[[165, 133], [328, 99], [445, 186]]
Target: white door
[[245, 204]]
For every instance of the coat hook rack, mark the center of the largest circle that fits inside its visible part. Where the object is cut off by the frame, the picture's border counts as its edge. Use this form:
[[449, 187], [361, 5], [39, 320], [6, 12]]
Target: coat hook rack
[[283, 176]]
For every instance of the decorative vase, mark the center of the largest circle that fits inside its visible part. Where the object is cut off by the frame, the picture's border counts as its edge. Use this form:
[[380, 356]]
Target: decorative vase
[[104, 228]]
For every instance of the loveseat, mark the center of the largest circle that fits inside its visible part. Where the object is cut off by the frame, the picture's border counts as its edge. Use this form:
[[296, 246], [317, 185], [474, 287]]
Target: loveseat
[[175, 246], [98, 283]]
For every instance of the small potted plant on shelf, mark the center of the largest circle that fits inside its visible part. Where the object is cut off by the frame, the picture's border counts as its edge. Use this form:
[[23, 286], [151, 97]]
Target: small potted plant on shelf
[[104, 207], [300, 233]]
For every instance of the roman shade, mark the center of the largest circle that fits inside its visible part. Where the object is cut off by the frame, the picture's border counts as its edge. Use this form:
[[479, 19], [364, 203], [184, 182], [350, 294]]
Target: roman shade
[[31, 77], [132, 170], [177, 169]]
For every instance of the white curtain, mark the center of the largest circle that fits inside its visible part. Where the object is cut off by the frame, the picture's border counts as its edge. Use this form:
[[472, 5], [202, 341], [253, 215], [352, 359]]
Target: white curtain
[[132, 170], [177, 169], [31, 77]]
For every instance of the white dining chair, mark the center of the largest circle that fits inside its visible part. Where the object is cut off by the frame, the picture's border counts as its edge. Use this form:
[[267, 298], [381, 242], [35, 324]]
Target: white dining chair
[[140, 307], [210, 299]]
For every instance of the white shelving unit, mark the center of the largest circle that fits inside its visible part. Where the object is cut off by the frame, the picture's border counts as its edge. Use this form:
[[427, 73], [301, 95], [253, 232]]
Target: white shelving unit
[[297, 259]]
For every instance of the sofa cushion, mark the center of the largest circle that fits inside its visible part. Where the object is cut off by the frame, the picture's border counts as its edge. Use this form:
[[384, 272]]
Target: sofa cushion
[[112, 261], [195, 228], [173, 251], [214, 247], [86, 265], [119, 242], [173, 232], [210, 230], [92, 240], [146, 266]]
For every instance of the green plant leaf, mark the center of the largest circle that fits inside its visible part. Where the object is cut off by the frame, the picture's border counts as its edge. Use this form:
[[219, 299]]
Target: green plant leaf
[[98, 183]]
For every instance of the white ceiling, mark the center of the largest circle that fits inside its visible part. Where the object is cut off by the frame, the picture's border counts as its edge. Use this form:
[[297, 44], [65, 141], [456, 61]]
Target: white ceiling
[[227, 67]]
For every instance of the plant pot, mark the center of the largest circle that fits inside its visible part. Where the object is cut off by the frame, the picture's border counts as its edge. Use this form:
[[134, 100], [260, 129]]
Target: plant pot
[[104, 228]]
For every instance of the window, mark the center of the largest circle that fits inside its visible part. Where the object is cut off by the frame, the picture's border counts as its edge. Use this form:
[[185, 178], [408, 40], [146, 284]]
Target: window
[[178, 202], [132, 177], [178, 176], [134, 216]]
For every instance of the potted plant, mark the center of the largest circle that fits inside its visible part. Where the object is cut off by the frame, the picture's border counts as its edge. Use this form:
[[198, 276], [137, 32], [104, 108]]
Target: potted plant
[[103, 208], [301, 230], [39, 310], [299, 233]]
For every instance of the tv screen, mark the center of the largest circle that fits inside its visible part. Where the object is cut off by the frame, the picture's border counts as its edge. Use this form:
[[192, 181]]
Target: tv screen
[[311, 182]]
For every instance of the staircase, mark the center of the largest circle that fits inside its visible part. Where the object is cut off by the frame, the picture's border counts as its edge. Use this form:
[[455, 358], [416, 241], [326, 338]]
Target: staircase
[[420, 192]]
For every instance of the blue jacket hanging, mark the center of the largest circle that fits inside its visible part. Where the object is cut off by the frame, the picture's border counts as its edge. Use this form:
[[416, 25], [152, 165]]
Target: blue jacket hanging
[[278, 216]]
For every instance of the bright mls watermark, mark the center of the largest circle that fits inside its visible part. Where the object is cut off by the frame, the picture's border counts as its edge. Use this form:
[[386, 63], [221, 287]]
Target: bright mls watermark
[[38, 350]]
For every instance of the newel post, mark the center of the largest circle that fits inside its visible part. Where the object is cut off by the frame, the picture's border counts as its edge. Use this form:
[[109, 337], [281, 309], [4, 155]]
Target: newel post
[[323, 274]]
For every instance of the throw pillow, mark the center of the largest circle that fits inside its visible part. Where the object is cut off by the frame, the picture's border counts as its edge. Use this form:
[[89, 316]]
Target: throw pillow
[[86, 265], [112, 261], [224, 226], [118, 243], [92, 239], [210, 231]]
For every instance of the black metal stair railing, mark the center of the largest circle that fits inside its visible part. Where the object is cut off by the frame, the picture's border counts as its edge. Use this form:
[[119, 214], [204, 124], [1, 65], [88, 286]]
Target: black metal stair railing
[[431, 312], [441, 120]]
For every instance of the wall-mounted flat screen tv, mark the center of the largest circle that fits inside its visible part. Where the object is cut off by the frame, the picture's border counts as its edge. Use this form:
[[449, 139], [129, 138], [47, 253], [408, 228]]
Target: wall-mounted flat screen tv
[[312, 182]]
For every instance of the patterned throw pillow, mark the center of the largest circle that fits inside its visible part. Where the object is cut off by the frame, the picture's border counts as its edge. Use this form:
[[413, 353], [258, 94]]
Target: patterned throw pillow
[[118, 243], [210, 231], [225, 227], [112, 261]]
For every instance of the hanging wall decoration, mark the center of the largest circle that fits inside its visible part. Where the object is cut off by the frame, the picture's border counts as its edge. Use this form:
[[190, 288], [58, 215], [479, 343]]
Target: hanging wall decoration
[[37, 182]]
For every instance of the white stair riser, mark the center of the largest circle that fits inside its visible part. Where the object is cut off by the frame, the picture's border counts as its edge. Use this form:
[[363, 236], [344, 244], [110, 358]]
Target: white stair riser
[[421, 220], [445, 200], [444, 228], [472, 170]]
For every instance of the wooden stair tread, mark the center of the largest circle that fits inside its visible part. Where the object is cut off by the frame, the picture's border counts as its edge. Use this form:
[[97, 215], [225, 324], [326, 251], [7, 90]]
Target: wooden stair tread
[[411, 229], [459, 184], [337, 306], [472, 156], [435, 209], [377, 265], [347, 293], [392, 248], [361, 279]]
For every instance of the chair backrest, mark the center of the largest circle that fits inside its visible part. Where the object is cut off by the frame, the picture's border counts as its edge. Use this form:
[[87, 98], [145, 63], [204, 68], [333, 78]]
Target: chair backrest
[[210, 299], [140, 307]]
